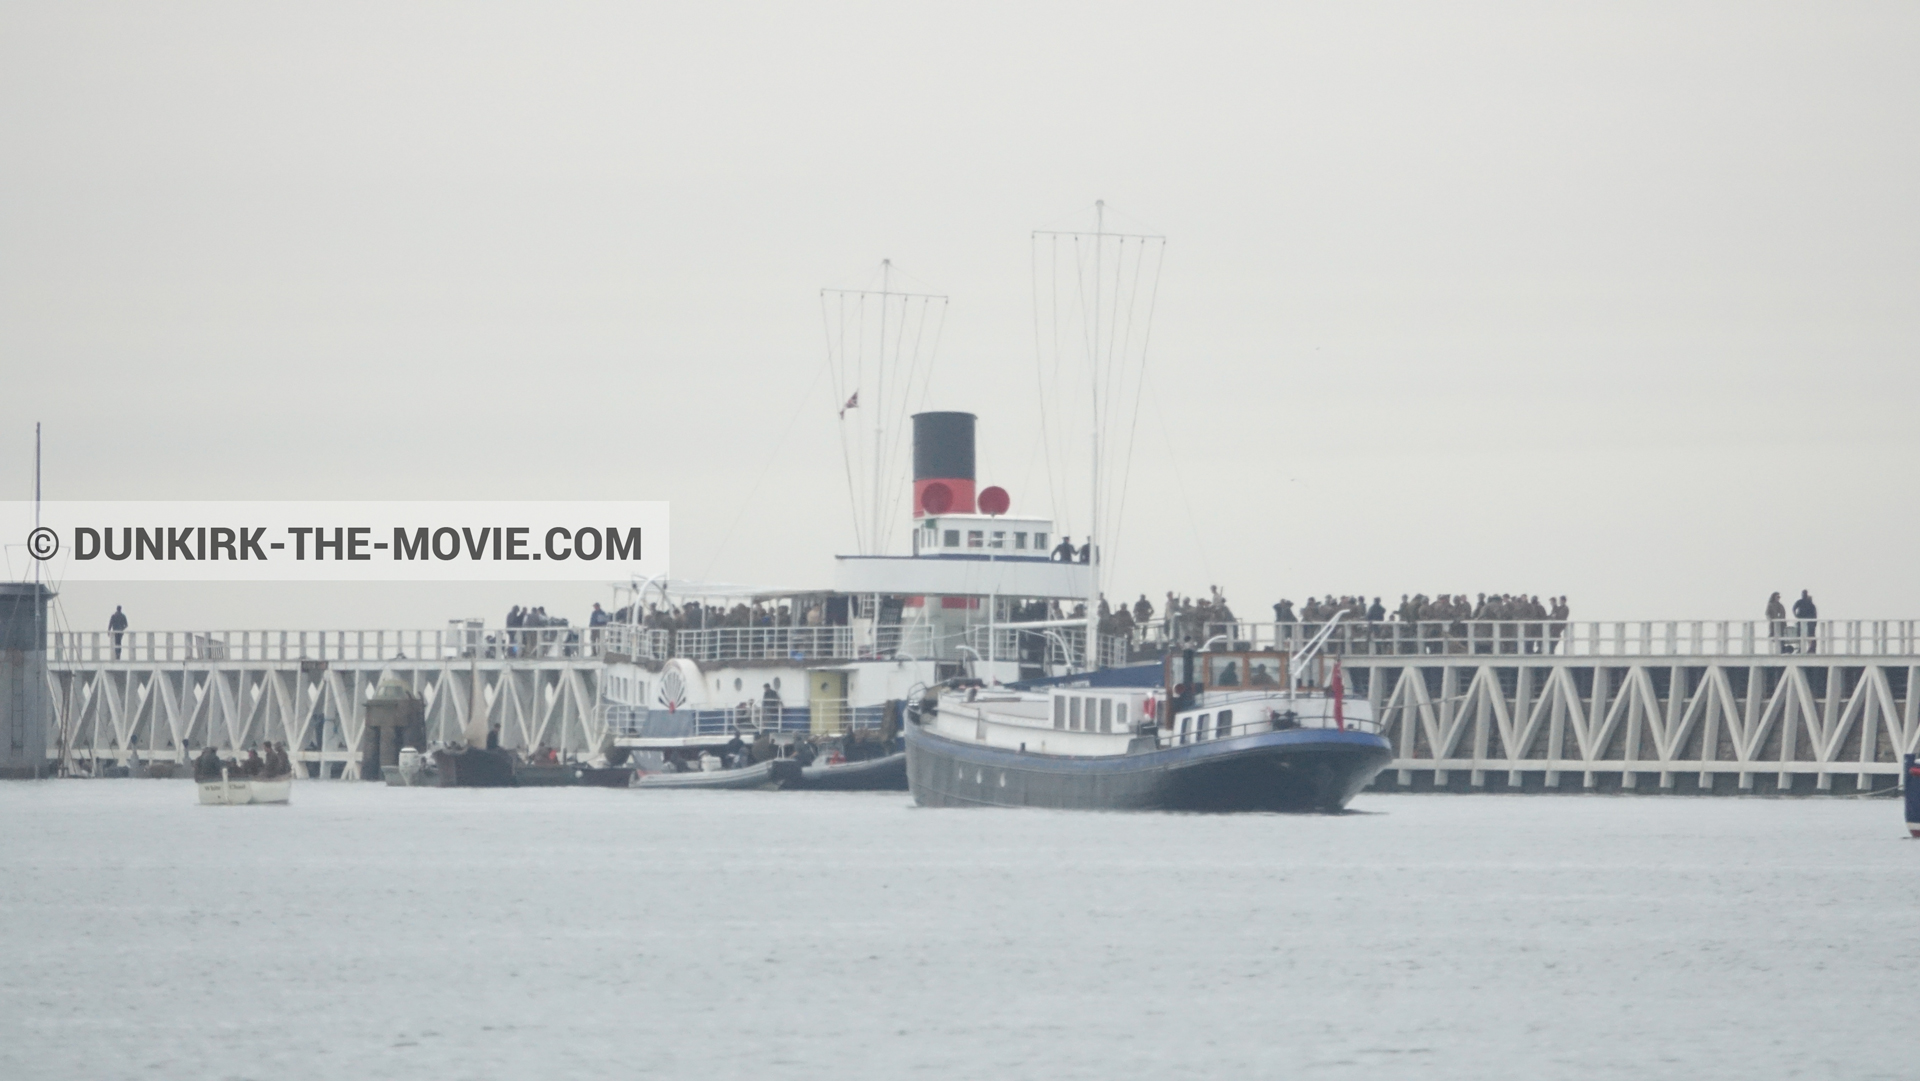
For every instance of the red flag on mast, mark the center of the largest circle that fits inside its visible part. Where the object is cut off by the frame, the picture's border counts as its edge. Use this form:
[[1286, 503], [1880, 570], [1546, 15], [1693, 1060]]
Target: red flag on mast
[[1338, 689], [852, 403]]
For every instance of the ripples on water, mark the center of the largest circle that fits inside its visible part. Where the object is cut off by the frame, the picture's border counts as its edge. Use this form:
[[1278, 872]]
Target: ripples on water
[[374, 932]]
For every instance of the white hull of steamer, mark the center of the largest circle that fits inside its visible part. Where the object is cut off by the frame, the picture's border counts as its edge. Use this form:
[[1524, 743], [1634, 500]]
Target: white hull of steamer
[[1221, 748]]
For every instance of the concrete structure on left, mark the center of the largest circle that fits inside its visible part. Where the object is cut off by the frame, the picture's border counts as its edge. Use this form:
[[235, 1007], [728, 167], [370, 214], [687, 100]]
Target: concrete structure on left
[[25, 708]]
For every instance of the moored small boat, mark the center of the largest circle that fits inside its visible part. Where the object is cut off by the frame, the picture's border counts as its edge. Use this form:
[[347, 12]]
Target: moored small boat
[[773, 773], [604, 776], [1229, 731], [545, 775], [474, 767], [887, 773], [1910, 776], [232, 791]]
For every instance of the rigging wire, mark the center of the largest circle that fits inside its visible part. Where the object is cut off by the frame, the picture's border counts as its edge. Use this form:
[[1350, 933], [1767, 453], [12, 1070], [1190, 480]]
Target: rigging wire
[[1113, 496], [895, 445], [1180, 484], [875, 332], [837, 371], [1040, 361], [1087, 323], [860, 379], [1114, 347], [1146, 339], [939, 330]]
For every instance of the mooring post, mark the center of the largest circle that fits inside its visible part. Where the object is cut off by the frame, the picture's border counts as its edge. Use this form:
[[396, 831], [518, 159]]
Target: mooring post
[[1909, 775]]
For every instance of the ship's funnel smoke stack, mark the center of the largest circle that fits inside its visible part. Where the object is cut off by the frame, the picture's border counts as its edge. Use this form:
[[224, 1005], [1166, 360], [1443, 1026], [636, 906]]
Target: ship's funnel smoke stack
[[942, 463]]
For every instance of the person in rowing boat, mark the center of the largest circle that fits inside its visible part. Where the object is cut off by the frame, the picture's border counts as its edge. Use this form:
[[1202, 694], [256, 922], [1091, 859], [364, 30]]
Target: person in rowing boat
[[733, 755], [206, 767]]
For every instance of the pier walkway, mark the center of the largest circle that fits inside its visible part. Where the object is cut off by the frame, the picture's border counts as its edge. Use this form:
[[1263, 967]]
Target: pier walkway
[[1673, 705], [1726, 706]]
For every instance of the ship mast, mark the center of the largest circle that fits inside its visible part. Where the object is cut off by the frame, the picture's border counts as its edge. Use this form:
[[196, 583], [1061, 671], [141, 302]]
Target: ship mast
[[1113, 355], [36, 506]]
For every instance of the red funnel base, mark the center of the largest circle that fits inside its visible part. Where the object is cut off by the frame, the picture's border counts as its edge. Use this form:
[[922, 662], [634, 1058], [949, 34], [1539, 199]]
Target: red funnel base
[[943, 495]]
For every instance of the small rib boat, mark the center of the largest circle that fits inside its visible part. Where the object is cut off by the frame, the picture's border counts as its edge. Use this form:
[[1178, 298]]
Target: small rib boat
[[604, 776], [887, 773], [773, 773]]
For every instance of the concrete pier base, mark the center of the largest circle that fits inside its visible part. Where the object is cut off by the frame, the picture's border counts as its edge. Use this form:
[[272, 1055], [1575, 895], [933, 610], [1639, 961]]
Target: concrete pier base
[[25, 707]]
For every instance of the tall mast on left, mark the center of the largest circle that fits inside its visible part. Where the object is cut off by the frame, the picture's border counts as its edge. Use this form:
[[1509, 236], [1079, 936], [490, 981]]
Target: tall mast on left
[[36, 498]]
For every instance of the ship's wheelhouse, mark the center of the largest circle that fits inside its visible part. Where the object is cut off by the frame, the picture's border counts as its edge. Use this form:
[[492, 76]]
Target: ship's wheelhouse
[[983, 534]]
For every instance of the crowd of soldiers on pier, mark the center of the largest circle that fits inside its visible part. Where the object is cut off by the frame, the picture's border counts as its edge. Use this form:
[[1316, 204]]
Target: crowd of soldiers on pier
[[1524, 620], [1521, 622], [693, 615]]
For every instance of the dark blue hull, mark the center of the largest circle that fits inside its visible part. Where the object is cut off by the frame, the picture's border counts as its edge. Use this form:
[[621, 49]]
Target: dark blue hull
[[885, 774], [1295, 770]]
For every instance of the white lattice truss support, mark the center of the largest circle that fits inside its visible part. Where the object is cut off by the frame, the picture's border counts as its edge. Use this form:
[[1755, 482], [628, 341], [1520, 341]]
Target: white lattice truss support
[[1647, 719], [108, 712]]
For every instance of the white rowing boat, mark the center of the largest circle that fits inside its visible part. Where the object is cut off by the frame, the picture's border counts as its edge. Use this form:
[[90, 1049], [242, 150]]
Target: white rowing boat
[[230, 790]]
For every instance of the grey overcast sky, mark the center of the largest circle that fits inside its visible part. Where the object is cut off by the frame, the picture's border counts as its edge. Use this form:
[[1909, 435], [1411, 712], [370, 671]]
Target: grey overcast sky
[[1614, 300]]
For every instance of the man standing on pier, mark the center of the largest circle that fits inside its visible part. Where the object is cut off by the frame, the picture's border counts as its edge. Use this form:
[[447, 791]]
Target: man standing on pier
[[1777, 623], [597, 619], [117, 626], [1808, 615]]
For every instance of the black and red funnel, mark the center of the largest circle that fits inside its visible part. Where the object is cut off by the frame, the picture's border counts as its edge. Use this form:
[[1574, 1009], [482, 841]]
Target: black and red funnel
[[942, 463]]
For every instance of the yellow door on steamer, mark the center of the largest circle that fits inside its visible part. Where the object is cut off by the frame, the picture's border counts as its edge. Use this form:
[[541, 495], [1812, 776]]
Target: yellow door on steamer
[[827, 703]]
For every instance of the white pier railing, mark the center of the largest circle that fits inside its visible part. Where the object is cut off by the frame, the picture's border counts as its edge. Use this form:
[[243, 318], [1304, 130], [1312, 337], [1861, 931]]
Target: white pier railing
[[782, 644], [147, 647], [1576, 638]]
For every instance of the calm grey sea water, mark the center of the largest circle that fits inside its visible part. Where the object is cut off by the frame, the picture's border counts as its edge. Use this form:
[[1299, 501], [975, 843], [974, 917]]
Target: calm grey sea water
[[374, 932]]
